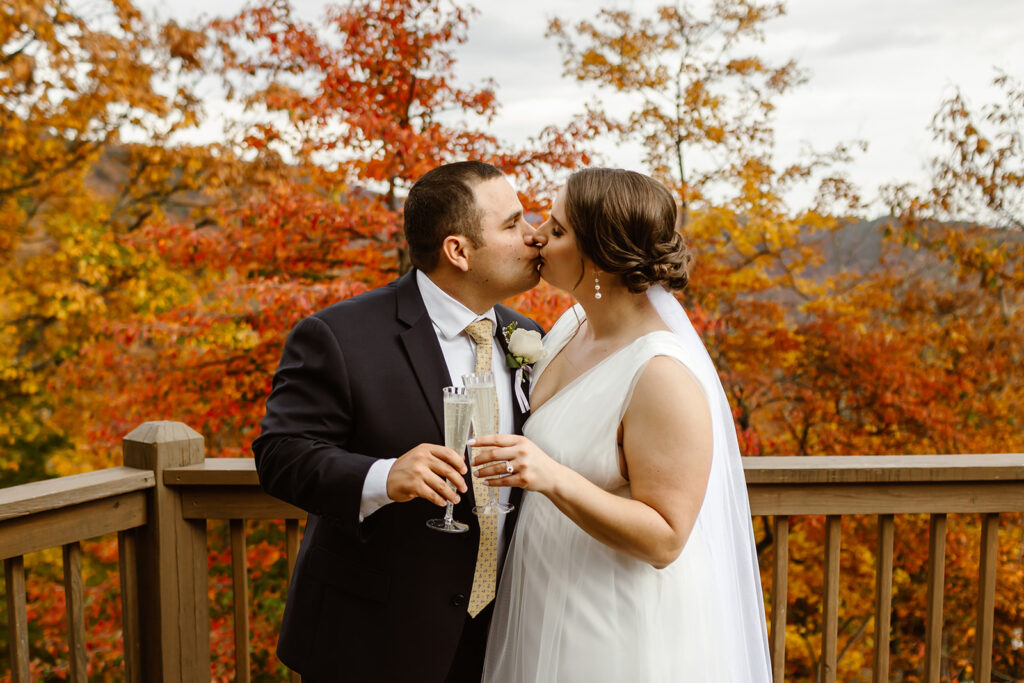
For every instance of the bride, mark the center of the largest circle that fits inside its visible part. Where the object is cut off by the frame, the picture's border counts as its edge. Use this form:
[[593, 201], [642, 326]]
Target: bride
[[633, 557]]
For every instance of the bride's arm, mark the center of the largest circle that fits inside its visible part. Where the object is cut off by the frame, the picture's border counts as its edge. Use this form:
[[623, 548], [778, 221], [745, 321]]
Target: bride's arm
[[667, 442]]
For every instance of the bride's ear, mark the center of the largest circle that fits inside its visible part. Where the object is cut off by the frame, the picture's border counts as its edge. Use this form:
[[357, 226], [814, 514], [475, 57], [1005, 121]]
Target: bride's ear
[[455, 250]]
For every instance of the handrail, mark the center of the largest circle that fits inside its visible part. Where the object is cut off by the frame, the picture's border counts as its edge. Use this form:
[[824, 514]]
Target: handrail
[[876, 469], [832, 469], [777, 485], [885, 484], [53, 494], [214, 471], [62, 513]]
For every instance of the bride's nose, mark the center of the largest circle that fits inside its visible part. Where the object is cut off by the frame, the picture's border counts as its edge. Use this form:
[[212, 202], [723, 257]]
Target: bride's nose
[[538, 238]]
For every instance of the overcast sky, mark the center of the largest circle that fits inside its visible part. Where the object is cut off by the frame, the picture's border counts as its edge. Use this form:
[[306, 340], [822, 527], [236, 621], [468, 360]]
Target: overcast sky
[[878, 69]]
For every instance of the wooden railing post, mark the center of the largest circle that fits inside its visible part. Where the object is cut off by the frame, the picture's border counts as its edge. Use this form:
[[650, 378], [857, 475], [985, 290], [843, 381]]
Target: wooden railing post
[[171, 550], [780, 600]]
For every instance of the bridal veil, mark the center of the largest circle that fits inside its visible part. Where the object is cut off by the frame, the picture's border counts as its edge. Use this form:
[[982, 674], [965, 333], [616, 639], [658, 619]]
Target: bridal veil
[[726, 509]]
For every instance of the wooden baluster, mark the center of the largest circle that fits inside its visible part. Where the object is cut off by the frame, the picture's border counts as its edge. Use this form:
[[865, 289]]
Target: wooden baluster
[[830, 607], [936, 575], [780, 578], [292, 550], [883, 596], [17, 618], [128, 567], [291, 527], [986, 598], [240, 586], [291, 544], [75, 608]]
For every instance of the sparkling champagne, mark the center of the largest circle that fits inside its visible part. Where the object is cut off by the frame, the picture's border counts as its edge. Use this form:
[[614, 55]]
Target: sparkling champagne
[[484, 400], [458, 418], [481, 388]]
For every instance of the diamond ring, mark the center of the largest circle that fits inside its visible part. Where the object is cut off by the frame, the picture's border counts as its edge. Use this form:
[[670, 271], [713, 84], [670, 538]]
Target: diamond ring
[[508, 467]]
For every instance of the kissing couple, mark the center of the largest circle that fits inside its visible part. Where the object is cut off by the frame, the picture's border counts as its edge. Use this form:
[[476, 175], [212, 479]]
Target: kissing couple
[[629, 552]]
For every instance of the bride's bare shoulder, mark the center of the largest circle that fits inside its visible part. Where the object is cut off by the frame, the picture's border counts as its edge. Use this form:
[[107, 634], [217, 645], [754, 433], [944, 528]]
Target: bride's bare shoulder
[[668, 391]]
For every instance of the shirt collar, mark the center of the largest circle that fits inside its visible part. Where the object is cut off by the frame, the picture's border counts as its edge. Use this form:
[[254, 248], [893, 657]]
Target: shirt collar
[[449, 315]]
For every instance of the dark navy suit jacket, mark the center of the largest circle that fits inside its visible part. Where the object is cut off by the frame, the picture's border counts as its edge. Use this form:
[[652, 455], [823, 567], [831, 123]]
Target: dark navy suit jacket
[[358, 381]]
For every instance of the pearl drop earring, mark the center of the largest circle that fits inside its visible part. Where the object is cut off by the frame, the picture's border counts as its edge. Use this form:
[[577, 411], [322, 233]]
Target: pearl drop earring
[[597, 287]]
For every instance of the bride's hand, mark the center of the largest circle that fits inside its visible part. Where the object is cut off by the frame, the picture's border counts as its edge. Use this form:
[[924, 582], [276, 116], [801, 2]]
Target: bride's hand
[[513, 460]]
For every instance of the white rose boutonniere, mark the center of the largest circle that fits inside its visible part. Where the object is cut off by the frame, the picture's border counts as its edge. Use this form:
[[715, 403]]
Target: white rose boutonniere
[[525, 347]]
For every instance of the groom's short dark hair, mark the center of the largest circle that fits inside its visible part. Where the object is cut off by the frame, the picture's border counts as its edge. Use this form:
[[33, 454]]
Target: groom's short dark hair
[[442, 203]]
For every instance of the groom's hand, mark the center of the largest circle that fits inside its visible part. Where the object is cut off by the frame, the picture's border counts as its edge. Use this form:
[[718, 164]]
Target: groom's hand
[[421, 473]]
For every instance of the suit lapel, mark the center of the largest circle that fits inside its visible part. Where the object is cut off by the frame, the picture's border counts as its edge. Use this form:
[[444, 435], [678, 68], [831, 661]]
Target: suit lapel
[[518, 416], [422, 347]]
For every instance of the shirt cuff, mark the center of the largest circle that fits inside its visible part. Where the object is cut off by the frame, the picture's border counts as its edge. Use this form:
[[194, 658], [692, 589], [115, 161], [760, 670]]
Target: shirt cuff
[[375, 488]]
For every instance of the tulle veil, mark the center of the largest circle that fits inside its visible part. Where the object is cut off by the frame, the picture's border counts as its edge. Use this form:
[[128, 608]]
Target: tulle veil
[[726, 509]]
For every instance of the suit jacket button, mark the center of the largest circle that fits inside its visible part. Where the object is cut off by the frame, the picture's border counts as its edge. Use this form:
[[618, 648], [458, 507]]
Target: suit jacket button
[[458, 600]]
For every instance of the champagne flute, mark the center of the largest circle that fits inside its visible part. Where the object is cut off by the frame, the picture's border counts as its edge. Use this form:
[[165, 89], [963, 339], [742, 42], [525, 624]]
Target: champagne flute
[[458, 417], [480, 386]]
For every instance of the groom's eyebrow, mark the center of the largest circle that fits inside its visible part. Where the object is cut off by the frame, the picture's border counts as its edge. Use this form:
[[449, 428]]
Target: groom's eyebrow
[[514, 216]]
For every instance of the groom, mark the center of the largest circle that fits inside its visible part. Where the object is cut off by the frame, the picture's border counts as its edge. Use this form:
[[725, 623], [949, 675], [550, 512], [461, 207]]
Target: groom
[[351, 435]]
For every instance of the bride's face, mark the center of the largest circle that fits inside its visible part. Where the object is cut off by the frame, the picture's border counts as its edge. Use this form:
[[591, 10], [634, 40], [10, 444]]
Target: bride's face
[[561, 263]]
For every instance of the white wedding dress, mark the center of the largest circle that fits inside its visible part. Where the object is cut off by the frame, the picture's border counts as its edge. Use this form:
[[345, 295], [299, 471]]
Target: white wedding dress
[[570, 608]]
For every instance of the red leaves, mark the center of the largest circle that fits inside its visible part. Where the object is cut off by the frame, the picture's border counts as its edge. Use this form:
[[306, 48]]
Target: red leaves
[[167, 291]]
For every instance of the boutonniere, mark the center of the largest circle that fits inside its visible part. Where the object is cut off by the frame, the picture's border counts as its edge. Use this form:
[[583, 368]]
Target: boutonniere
[[525, 348]]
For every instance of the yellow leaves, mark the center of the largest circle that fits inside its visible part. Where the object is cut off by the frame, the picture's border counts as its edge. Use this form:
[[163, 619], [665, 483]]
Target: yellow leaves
[[21, 69], [158, 290], [715, 133], [592, 58], [184, 44], [696, 96], [67, 300], [229, 336], [745, 65]]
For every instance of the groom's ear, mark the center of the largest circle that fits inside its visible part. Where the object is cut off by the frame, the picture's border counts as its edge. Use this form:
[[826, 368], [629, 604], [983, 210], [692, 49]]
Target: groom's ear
[[455, 250]]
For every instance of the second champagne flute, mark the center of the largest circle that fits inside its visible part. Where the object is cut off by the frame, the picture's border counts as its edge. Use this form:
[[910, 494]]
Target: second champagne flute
[[481, 389]]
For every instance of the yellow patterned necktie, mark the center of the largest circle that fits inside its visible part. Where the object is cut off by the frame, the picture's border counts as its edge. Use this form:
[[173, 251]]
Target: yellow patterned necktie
[[485, 577]]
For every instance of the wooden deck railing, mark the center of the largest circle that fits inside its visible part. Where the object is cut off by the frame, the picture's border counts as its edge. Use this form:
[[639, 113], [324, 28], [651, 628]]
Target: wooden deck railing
[[158, 504], [936, 485]]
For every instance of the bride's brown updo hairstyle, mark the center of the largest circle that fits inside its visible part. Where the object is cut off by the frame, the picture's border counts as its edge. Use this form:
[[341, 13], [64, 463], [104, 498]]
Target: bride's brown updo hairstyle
[[625, 222]]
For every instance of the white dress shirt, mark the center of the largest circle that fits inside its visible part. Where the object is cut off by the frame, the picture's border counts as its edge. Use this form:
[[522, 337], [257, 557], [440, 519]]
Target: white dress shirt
[[450, 319]]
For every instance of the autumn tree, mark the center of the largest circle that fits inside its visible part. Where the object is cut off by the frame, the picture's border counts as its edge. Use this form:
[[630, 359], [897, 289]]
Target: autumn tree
[[698, 97], [965, 310], [72, 83], [86, 90]]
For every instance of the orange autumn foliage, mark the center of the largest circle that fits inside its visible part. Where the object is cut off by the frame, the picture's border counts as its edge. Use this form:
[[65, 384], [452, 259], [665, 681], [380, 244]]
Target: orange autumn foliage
[[143, 278]]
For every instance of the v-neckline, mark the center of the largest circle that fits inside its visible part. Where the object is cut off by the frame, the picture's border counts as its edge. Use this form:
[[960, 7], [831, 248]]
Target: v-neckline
[[579, 377]]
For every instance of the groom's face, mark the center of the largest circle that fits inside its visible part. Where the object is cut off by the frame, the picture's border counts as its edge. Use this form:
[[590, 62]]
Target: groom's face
[[505, 263]]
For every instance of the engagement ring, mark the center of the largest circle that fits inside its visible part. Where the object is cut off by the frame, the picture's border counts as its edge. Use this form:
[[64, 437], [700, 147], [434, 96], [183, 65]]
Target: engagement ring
[[508, 467]]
